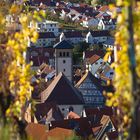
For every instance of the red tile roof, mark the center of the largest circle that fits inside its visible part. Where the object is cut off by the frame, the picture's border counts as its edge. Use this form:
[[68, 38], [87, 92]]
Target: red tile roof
[[96, 129], [89, 54], [72, 115], [103, 8], [58, 134], [93, 59], [35, 131]]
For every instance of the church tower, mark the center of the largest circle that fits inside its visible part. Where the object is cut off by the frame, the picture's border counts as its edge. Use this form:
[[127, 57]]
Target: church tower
[[63, 59]]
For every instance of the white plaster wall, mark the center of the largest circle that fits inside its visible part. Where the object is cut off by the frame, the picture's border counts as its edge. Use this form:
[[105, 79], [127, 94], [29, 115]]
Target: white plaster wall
[[94, 67], [65, 109], [67, 66]]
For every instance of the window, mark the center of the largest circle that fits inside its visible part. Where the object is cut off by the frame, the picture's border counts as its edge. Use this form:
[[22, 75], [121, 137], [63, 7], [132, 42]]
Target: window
[[39, 25], [64, 54], [63, 109], [111, 73], [64, 61], [101, 62], [51, 25], [67, 54], [60, 54], [71, 109], [64, 70], [96, 63]]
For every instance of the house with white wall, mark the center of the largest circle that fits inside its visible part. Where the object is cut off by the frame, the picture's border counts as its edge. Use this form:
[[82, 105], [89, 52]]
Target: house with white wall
[[45, 39], [89, 22], [73, 37], [105, 72], [64, 13], [62, 92], [39, 55], [93, 63], [97, 37], [47, 26], [106, 24], [109, 43]]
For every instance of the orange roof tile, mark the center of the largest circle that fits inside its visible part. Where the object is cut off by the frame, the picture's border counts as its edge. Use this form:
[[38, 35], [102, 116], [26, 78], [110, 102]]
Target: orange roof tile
[[58, 134], [93, 59], [72, 115], [35, 131], [103, 8]]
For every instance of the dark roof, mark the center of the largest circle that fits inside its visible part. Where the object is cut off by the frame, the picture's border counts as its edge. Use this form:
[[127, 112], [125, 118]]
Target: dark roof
[[46, 35], [62, 92], [41, 55], [82, 9], [112, 135], [99, 111], [73, 34], [81, 126], [95, 80], [114, 21], [48, 110], [100, 33], [46, 2], [66, 10], [105, 120], [89, 54], [63, 45]]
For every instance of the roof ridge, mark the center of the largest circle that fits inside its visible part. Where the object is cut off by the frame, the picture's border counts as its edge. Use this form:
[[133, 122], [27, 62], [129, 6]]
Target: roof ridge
[[92, 77], [50, 88]]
